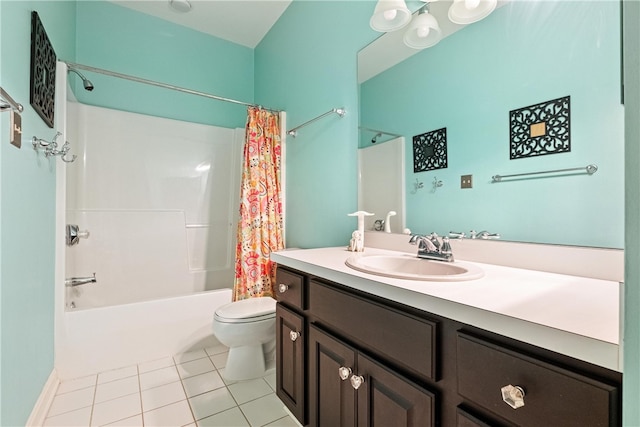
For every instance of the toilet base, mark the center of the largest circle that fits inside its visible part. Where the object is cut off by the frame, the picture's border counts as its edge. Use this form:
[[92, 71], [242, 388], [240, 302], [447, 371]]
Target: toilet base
[[245, 363]]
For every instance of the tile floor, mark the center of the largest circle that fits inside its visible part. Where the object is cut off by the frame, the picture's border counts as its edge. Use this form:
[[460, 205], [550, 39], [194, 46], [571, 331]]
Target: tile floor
[[184, 390]]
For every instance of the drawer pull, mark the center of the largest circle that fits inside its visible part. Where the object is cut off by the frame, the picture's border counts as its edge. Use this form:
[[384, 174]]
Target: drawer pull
[[344, 372], [282, 288], [356, 381], [513, 396], [294, 335]]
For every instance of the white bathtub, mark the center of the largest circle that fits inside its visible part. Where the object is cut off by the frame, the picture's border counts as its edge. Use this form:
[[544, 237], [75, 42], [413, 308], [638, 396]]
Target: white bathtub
[[99, 339]]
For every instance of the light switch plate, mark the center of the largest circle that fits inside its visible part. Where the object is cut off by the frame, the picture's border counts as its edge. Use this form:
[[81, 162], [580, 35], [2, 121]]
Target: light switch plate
[[15, 132], [466, 181]]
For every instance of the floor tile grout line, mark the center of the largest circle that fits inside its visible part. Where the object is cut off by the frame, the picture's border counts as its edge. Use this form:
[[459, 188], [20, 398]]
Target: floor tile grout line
[[184, 389], [140, 395], [93, 402]]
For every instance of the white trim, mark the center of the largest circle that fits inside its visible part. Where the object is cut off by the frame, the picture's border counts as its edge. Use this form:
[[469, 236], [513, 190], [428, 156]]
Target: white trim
[[41, 408]]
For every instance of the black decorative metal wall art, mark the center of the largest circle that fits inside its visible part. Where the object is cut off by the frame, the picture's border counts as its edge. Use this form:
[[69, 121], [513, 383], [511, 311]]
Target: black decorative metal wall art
[[43, 71], [430, 151], [541, 129]]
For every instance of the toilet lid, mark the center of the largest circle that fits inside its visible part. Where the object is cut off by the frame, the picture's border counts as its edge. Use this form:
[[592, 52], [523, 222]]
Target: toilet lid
[[247, 310]]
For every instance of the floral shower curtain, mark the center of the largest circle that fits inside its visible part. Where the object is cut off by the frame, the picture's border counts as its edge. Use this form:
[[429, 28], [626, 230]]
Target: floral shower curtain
[[260, 223]]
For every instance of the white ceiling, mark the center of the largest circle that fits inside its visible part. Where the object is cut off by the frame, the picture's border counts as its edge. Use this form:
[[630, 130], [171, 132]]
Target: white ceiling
[[244, 22]]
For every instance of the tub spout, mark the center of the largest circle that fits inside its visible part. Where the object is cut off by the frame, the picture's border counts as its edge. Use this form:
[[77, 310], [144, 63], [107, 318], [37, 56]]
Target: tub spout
[[77, 281]]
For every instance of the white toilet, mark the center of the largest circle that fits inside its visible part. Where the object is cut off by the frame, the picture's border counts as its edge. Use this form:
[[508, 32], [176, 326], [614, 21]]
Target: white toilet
[[248, 328]]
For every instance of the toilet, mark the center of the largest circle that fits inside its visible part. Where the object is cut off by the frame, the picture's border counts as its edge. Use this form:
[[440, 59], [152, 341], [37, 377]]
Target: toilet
[[248, 328]]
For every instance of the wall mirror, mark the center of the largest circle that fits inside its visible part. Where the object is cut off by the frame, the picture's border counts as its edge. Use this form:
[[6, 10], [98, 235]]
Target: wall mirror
[[525, 53]]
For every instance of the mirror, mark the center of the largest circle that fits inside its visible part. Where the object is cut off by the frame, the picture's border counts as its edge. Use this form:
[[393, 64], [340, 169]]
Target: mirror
[[381, 186], [487, 90]]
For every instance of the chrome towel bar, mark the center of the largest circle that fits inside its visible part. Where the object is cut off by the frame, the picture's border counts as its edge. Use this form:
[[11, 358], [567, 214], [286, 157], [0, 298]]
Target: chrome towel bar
[[590, 169], [7, 102], [339, 111]]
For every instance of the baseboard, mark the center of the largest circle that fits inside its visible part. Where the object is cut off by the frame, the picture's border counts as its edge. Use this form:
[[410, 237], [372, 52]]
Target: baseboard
[[40, 409]]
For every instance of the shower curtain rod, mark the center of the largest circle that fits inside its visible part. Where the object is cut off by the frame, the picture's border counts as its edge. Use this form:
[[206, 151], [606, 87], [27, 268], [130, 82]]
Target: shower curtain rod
[[379, 131], [163, 85]]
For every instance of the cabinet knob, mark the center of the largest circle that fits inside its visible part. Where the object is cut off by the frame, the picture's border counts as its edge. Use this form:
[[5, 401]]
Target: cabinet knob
[[356, 381], [294, 335], [513, 396], [282, 288], [344, 372]]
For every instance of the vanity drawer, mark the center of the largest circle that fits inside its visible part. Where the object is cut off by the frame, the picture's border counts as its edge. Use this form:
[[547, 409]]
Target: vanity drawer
[[554, 396], [405, 340], [290, 288]]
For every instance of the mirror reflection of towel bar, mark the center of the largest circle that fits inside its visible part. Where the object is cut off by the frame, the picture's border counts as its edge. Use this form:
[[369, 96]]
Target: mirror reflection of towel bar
[[590, 169]]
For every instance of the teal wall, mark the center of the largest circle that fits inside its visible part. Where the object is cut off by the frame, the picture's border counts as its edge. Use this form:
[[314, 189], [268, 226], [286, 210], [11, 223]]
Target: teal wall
[[119, 39], [27, 212], [306, 65], [523, 54], [631, 377]]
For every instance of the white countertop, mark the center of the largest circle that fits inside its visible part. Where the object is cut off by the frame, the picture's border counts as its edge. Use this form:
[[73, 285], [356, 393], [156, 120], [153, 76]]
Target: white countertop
[[575, 316]]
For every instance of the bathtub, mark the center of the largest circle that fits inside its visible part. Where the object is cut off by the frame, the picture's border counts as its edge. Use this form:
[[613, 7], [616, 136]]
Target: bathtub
[[100, 339]]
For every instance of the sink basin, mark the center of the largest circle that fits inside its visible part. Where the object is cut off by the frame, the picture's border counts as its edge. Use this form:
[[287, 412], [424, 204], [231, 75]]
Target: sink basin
[[414, 268]]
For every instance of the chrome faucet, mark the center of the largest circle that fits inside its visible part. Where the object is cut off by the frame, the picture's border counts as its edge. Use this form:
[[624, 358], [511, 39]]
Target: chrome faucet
[[429, 247]]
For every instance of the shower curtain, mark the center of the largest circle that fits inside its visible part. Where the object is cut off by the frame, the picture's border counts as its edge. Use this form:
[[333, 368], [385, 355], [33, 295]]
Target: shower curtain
[[260, 224]]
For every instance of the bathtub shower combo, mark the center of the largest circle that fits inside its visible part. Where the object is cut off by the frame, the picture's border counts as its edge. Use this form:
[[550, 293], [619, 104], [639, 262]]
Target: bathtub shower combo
[[147, 216]]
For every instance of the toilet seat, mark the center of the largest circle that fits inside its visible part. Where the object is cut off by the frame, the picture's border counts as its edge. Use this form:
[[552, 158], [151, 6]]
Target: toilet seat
[[247, 310]]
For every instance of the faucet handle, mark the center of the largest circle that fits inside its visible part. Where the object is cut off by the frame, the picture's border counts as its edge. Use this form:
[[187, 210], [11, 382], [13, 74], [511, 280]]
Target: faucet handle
[[433, 237], [457, 235], [446, 246]]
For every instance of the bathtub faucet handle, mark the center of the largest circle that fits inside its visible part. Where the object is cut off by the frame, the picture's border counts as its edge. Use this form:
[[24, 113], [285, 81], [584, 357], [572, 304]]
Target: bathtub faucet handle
[[74, 234]]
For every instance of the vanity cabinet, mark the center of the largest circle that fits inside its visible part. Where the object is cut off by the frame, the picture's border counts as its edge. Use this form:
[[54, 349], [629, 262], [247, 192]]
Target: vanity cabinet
[[349, 358], [347, 388]]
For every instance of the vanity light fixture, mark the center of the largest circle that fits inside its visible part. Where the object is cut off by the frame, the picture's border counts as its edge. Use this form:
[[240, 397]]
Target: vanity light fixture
[[424, 30], [470, 11], [390, 15]]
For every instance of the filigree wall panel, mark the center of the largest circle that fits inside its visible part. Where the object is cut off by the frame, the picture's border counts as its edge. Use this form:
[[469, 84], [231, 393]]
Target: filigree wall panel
[[43, 71], [430, 151], [541, 129]]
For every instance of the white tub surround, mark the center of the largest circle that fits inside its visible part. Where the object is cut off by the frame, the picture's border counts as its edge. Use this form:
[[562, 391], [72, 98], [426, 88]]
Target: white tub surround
[[571, 315], [159, 199]]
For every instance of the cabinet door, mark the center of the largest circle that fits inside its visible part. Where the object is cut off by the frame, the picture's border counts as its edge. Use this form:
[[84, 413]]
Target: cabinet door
[[290, 380], [331, 399], [387, 399]]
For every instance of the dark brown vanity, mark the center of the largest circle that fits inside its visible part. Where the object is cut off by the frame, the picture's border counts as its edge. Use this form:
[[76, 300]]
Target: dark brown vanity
[[347, 357]]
